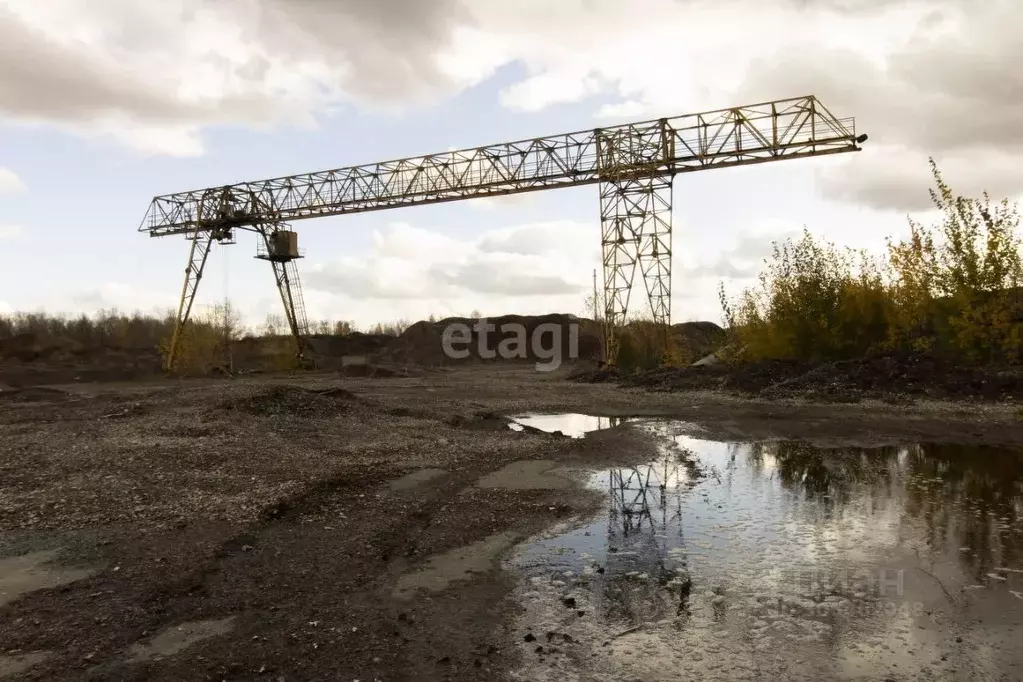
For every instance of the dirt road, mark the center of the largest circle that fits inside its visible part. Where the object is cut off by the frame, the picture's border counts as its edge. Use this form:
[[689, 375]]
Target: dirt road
[[301, 528]]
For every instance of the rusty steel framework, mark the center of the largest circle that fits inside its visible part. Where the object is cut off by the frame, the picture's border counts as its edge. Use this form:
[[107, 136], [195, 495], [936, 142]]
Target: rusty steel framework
[[634, 164]]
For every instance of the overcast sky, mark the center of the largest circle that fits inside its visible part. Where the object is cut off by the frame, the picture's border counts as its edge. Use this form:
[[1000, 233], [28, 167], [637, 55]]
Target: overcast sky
[[104, 104]]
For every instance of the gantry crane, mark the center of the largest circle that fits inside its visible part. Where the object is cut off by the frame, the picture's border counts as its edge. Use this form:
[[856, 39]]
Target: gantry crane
[[634, 165]]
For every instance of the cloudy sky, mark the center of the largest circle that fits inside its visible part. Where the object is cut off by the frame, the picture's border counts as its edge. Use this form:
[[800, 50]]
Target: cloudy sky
[[107, 103]]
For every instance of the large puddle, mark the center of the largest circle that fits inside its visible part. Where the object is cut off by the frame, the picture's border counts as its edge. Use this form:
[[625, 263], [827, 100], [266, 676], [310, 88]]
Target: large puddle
[[746, 560]]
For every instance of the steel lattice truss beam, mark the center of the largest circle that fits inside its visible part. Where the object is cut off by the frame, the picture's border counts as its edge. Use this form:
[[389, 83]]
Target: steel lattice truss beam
[[784, 129]]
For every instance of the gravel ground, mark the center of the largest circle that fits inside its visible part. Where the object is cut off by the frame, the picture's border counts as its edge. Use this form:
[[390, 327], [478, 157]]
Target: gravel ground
[[262, 515]]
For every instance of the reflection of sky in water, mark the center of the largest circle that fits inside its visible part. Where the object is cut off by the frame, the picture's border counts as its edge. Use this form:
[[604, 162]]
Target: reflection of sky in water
[[788, 545], [574, 425]]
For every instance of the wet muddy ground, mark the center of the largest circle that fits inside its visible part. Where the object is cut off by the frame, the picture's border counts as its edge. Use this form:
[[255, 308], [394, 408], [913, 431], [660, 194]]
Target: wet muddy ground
[[480, 524], [744, 560]]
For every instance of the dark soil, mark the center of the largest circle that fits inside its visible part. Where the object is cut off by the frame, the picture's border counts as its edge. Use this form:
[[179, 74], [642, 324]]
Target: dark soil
[[295, 401], [887, 377], [482, 420], [32, 394], [598, 375]]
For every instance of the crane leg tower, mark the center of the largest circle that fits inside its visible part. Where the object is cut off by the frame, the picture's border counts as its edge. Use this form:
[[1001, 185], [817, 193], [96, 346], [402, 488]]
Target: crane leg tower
[[633, 165], [277, 244], [635, 221]]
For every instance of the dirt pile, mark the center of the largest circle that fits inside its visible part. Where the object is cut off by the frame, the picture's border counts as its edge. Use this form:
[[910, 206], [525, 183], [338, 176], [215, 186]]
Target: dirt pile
[[589, 374], [883, 377], [294, 401], [423, 342], [32, 394], [481, 420], [27, 360], [916, 375], [698, 338], [373, 371]]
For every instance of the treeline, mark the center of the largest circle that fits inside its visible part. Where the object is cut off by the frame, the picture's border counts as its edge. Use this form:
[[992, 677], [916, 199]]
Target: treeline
[[113, 328], [951, 289], [204, 346], [104, 328]]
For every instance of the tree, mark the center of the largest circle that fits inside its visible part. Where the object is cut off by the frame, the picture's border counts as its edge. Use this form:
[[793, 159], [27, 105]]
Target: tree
[[274, 325]]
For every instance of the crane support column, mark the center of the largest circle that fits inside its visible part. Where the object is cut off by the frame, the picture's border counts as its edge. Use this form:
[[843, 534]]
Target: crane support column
[[280, 247], [202, 241], [634, 164], [635, 220]]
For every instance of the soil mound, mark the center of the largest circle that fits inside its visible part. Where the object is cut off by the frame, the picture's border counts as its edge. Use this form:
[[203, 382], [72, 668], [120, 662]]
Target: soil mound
[[33, 394], [699, 338], [755, 377], [423, 342], [481, 421], [295, 401], [596, 375], [27, 360], [884, 377], [376, 372], [914, 375], [678, 379]]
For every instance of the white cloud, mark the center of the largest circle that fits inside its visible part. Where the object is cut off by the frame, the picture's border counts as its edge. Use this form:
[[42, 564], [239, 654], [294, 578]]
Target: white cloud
[[527, 267], [412, 272], [543, 90], [10, 182], [501, 201], [153, 75], [627, 109], [745, 259], [899, 178], [126, 298], [948, 89], [922, 77]]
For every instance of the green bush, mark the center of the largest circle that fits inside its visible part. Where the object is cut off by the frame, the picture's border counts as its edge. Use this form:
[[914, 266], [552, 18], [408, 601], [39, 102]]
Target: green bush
[[952, 289]]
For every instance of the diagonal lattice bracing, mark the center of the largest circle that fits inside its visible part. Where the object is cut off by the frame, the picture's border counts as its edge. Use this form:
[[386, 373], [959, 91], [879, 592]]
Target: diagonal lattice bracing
[[655, 248]]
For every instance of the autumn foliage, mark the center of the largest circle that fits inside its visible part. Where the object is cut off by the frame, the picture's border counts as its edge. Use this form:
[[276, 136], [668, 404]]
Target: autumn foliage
[[952, 289]]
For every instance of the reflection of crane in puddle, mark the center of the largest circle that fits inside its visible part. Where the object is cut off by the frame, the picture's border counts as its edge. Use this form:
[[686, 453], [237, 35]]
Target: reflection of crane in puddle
[[645, 576]]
